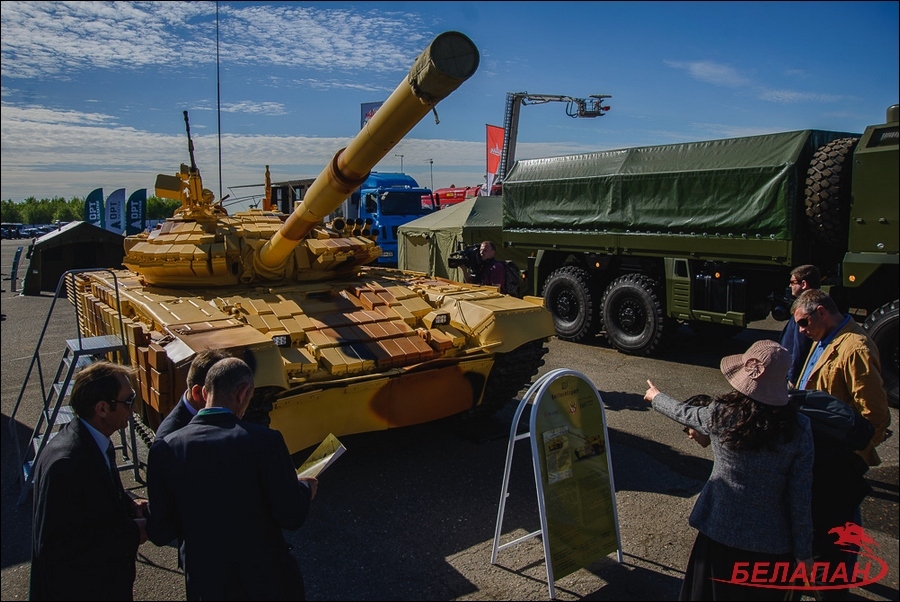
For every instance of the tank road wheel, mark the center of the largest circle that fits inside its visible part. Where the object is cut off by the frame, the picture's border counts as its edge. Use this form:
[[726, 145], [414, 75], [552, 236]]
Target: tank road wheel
[[570, 294], [882, 327], [828, 191], [511, 373], [633, 314]]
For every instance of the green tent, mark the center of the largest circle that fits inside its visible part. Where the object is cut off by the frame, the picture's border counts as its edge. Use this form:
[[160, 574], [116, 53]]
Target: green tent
[[423, 245]]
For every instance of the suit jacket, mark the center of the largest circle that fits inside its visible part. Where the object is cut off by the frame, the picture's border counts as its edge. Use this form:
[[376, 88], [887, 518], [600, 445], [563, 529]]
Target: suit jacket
[[799, 345], [84, 540], [850, 369], [227, 488], [176, 419]]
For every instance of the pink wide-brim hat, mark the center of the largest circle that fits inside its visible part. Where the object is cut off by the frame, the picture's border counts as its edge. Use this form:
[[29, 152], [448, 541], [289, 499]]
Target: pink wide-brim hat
[[760, 373]]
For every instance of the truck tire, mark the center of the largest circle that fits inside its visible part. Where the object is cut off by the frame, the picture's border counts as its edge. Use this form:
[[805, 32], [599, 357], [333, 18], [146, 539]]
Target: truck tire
[[828, 191], [633, 315], [570, 294], [882, 328]]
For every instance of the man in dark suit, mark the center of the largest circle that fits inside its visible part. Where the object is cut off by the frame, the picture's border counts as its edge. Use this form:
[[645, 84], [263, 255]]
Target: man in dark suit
[[86, 529], [192, 400], [227, 488], [803, 278]]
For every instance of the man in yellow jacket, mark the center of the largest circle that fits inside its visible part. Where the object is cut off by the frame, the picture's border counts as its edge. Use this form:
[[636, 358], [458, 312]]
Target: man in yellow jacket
[[843, 362]]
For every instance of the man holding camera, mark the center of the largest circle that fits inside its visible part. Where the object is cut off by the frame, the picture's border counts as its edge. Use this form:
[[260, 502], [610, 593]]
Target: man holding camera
[[491, 271]]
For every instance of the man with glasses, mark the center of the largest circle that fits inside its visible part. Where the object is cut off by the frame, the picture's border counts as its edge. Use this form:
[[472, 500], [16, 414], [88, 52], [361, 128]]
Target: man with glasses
[[803, 278], [844, 363], [86, 528]]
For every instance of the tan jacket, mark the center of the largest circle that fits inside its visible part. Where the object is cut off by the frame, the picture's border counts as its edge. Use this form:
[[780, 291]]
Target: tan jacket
[[850, 369]]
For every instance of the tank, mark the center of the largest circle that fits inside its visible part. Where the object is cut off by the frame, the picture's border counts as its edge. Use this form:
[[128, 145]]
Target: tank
[[338, 346]]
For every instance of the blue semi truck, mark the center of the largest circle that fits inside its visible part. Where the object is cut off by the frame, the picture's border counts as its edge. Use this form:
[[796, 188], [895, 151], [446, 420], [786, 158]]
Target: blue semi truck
[[384, 202]]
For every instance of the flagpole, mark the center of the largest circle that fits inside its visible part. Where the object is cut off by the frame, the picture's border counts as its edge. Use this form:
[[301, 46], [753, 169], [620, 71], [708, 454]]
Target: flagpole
[[218, 100]]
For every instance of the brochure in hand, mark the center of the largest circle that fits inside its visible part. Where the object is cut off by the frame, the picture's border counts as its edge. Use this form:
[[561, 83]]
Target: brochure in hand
[[324, 456]]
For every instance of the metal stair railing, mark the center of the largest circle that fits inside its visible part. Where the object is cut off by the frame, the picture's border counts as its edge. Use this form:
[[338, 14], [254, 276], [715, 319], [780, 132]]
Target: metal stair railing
[[77, 355]]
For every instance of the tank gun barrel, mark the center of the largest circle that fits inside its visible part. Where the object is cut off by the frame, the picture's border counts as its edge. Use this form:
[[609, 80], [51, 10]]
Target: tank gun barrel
[[449, 60]]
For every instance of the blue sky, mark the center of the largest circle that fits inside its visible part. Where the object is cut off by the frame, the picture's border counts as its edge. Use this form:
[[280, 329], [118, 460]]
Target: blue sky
[[93, 92]]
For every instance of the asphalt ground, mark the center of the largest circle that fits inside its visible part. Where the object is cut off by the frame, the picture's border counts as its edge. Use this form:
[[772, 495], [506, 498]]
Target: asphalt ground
[[409, 514]]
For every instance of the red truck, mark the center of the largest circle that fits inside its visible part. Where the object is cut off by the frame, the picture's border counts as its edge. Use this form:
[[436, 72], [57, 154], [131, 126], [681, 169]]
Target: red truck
[[444, 197]]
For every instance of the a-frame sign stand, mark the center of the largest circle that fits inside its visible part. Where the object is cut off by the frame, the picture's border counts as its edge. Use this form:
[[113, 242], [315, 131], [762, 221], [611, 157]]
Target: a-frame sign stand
[[572, 472]]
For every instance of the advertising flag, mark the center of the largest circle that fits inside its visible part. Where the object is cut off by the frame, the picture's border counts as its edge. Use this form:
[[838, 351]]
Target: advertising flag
[[367, 110], [115, 211], [136, 212], [93, 208], [494, 149]]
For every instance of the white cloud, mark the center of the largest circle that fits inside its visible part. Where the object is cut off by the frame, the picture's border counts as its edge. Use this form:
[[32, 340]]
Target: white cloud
[[723, 75], [711, 73], [57, 39], [793, 96]]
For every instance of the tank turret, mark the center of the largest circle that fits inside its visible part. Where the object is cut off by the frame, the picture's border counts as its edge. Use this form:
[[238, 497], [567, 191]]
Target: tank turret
[[202, 243], [338, 346]]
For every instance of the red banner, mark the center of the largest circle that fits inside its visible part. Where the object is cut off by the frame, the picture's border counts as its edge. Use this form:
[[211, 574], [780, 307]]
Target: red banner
[[494, 148]]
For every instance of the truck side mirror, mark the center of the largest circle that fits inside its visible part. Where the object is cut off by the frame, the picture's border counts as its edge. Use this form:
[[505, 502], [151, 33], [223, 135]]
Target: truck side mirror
[[371, 205]]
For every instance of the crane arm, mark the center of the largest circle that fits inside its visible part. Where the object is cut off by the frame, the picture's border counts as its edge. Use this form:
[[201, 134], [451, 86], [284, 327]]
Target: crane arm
[[575, 107]]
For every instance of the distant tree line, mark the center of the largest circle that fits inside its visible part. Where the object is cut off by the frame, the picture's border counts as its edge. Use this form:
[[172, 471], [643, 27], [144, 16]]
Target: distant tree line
[[48, 211]]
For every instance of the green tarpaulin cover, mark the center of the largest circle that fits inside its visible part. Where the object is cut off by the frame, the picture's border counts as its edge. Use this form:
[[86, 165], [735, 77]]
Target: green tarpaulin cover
[[748, 185]]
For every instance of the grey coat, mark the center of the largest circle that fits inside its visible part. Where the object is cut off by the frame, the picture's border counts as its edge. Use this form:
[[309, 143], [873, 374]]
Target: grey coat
[[756, 500]]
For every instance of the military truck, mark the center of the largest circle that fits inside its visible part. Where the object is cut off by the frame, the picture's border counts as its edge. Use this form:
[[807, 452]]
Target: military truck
[[633, 242]]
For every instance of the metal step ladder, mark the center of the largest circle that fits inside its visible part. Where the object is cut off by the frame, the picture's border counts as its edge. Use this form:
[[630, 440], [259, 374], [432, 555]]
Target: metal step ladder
[[55, 413]]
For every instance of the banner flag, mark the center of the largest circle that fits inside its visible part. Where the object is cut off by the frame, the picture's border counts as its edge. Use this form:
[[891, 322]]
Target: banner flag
[[93, 208], [494, 150], [367, 110], [115, 211], [136, 210]]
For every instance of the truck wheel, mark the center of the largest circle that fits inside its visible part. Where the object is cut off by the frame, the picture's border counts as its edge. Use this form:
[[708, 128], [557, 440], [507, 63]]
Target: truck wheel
[[828, 191], [633, 314], [570, 294], [881, 326]]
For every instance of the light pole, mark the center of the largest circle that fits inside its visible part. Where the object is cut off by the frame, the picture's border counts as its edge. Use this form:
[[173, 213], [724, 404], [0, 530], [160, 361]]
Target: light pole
[[401, 162], [431, 169]]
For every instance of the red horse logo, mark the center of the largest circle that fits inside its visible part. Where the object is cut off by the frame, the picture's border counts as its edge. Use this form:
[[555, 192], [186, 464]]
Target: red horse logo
[[852, 534]]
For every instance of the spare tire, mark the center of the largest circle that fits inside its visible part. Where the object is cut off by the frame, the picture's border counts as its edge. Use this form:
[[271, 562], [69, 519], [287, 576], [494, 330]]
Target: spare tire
[[828, 191]]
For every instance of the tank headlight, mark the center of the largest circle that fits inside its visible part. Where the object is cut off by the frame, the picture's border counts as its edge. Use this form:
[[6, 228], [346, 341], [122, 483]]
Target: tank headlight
[[434, 318], [282, 340]]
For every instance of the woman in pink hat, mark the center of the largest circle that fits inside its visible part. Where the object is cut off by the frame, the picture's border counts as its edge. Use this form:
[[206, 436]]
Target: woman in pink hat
[[753, 513]]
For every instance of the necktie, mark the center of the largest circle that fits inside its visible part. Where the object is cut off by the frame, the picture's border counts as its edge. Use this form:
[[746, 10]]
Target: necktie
[[113, 466]]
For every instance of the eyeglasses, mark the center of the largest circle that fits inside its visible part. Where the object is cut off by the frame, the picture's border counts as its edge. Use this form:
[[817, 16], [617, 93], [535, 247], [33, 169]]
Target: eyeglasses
[[794, 282], [804, 322], [129, 402]]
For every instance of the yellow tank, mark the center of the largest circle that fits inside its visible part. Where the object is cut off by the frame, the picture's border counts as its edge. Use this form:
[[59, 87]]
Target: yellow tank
[[338, 347]]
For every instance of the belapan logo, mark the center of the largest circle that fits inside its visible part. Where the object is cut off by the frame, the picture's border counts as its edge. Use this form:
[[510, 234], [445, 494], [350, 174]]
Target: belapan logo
[[851, 538]]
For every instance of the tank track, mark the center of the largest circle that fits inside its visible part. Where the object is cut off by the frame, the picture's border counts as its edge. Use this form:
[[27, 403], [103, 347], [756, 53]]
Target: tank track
[[143, 430], [511, 373], [260, 406]]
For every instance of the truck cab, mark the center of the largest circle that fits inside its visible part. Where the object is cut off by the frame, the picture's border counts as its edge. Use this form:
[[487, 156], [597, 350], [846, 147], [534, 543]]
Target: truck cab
[[383, 203]]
